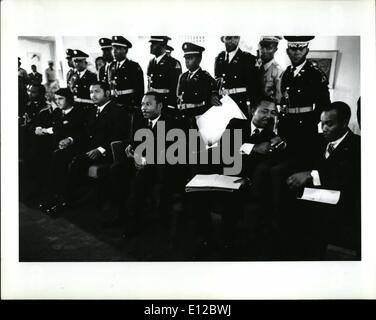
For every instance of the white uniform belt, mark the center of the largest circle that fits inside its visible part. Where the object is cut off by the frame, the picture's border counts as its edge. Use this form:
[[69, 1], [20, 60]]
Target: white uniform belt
[[83, 100], [300, 109], [160, 90], [190, 105], [121, 92], [232, 91]]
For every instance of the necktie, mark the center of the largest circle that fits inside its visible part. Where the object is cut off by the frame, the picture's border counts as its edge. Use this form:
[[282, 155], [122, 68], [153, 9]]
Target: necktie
[[256, 131], [150, 124], [190, 75], [227, 57], [329, 149], [293, 71], [98, 112]]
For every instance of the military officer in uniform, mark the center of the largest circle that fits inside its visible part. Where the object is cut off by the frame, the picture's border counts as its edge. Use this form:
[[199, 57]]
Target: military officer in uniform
[[125, 77], [106, 46], [304, 89], [82, 80], [305, 92], [72, 70], [126, 81], [197, 90], [163, 71], [270, 70], [236, 72]]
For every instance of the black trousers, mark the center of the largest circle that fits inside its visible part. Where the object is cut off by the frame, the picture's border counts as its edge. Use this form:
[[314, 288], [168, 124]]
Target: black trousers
[[59, 174], [78, 172]]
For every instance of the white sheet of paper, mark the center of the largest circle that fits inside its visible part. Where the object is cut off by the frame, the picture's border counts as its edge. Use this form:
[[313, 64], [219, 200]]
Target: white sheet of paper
[[213, 122], [321, 195], [214, 180]]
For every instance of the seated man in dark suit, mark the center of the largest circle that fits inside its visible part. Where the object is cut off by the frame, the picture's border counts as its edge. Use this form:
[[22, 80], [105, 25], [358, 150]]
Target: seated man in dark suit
[[104, 125], [67, 133], [312, 226], [260, 149], [135, 179]]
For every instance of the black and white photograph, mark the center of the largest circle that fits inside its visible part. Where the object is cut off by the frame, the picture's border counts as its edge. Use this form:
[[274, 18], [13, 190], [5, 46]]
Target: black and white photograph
[[184, 148]]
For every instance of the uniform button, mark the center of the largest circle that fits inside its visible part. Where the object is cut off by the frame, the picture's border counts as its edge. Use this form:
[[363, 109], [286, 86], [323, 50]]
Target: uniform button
[[195, 93], [298, 90], [223, 74], [235, 77], [91, 137], [300, 121]]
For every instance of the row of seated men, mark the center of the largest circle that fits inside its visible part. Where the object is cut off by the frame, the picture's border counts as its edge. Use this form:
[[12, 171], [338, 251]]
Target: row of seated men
[[62, 143]]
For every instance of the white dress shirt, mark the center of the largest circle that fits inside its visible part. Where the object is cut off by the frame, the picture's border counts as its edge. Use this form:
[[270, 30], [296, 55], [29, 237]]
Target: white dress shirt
[[158, 59], [299, 67], [314, 173], [101, 149], [81, 73], [246, 148], [232, 54], [154, 121]]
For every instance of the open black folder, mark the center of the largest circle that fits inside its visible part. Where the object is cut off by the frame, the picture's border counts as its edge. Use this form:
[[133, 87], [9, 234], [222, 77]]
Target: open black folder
[[213, 182]]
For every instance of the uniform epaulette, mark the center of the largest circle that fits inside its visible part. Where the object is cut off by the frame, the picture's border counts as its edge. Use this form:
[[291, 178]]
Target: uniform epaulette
[[206, 73]]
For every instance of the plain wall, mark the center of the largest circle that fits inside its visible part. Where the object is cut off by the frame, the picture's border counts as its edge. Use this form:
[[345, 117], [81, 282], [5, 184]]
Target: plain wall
[[28, 45]]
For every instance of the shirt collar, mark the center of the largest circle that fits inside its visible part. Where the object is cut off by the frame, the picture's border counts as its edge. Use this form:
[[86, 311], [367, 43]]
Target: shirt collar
[[103, 105], [154, 121], [339, 140], [232, 54], [268, 64], [299, 67], [158, 59], [253, 127], [81, 73], [66, 111], [121, 62], [194, 72]]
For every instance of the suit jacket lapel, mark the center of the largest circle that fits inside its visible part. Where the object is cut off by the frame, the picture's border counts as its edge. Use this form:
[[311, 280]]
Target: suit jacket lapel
[[235, 59]]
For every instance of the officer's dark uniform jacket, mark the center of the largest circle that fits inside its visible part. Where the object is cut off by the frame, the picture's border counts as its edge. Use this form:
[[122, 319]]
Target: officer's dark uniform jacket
[[195, 93], [303, 98], [69, 78], [127, 83], [103, 73], [163, 77], [81, 87], [241, 74]]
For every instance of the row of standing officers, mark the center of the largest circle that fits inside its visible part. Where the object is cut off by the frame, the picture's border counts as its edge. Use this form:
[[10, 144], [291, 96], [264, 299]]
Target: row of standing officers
[[301, 90]]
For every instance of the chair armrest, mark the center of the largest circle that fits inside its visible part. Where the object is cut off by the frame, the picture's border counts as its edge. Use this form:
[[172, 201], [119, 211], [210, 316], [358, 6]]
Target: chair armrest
[[118, 151]]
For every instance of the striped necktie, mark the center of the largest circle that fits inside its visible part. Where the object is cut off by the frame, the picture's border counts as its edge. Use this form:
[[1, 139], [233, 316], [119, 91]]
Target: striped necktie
[[329, 150]]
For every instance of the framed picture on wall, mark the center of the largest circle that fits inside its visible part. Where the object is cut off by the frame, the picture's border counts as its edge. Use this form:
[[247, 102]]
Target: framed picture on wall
[[326, 61]]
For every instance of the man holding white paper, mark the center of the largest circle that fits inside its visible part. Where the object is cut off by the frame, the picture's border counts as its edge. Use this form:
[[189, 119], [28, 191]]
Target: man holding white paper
[[261, 147], [336, 167]]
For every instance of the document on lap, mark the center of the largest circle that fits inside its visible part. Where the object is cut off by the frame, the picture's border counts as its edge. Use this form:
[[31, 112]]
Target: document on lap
[[321, 195], [213, 122], [213, 182]]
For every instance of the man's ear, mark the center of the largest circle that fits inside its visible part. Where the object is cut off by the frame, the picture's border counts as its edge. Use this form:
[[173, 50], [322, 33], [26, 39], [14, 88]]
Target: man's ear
[[108, 93]]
